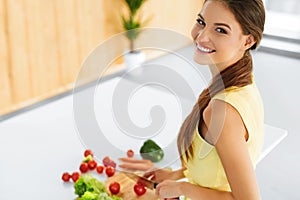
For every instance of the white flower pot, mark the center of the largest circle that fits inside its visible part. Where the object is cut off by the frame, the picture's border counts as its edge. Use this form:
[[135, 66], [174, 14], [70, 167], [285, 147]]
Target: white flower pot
[[134, 60]]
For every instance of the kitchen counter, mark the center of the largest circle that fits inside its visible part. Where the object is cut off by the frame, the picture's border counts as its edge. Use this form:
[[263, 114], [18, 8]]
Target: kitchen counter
[[37, 146]]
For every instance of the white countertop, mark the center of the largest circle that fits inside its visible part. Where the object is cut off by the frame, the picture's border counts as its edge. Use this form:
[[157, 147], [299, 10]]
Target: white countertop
[[39, 145]]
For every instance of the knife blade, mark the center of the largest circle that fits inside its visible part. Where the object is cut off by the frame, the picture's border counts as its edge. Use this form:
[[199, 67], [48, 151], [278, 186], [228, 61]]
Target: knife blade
[[139, 179]]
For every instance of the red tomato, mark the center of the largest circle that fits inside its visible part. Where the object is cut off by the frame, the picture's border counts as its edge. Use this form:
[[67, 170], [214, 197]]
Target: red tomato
[[110, 171], [84, 167], [109, 162], [66, 177], [100, 169], [92, 164], [88, 152], [114, 188], [139, 189], [130, 153], [75, 176]]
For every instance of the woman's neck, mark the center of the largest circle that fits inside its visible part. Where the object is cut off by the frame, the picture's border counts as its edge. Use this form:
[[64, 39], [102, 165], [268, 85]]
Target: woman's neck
[[216, 69]]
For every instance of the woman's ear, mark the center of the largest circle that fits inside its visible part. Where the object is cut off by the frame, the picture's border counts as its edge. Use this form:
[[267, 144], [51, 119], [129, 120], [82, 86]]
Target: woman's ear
[[250, 41]]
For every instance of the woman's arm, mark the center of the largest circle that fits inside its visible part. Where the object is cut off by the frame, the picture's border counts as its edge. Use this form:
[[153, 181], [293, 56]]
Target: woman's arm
[[228, 132]]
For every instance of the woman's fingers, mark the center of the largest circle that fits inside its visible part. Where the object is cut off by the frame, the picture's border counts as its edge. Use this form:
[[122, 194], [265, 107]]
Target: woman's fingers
[[136, 164], [132, 160], [150, 174]]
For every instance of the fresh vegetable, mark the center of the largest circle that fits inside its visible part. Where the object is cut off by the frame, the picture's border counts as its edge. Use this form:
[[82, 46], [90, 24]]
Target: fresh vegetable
[[84, 167], [100, 169], [130, 153], [110, 171], [87, 159], [92, 164], [66, 177], [88, 183], [139, 189], [105, 196], [89, 196], [89, 188], [114, 188], [108, 162], [151, 151], [75, 176], [88, 152]]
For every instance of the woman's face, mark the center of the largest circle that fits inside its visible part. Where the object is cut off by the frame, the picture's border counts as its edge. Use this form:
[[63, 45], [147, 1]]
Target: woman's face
[[218, 37]]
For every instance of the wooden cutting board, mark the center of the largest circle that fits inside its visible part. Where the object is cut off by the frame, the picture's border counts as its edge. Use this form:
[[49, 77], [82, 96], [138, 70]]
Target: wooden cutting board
[[126, 191]]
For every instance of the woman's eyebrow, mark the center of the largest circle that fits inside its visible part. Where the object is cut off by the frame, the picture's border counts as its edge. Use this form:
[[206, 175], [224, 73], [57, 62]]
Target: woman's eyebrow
[[223, 24], [199, 15], [216, 24]]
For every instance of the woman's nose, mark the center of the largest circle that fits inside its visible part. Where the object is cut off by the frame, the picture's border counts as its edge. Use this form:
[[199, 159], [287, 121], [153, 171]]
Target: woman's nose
[[203, 36]]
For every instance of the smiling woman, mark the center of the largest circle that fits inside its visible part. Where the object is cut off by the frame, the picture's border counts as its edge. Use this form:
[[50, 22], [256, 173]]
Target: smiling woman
[[221, 139]]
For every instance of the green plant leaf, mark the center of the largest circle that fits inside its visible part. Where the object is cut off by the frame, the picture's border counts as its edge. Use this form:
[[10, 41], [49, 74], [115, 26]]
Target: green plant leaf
[[134, 5]]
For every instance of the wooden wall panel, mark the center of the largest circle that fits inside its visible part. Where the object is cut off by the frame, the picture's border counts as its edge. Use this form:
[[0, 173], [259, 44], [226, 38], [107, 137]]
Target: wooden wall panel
[[176, 15], [43, 46], [112, 19], [5, 88], [67, 39], [18, 45], [44, 42], [90, 20]]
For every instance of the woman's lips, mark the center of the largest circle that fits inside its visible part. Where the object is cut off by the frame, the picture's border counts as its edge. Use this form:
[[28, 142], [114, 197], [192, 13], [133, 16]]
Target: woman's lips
[[204, 49]]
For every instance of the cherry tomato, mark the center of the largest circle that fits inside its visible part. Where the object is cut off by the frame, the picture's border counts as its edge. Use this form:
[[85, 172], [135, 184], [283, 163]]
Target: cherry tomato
[[66, 177], [114, 188], [130, 153], [108, 162], [110, 171], [75, 176], [88, 152], [139, 189], [84, 167], [92, 164], [100, 169]]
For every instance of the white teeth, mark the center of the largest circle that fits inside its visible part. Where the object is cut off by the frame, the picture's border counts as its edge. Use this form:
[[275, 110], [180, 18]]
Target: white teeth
[[203, 49]]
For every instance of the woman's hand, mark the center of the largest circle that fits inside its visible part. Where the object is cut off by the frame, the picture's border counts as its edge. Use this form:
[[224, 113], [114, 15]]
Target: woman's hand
[[169, 189], [160, 175], [136, 164]]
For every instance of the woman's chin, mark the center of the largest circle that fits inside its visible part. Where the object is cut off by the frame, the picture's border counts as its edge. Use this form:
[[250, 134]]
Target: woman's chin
[[202, 60]]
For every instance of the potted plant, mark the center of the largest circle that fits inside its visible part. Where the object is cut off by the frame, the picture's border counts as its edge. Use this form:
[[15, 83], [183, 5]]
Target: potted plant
[[131, 24]]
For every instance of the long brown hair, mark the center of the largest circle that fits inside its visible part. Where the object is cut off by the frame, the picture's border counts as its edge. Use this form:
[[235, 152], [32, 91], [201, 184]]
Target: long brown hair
[[251, 16]]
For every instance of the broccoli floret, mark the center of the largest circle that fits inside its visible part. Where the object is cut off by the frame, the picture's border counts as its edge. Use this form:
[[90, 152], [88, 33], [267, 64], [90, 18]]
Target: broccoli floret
[[80, 186]]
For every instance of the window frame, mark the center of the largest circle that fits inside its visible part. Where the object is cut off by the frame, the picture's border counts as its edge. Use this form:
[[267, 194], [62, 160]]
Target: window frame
[[282, 25]]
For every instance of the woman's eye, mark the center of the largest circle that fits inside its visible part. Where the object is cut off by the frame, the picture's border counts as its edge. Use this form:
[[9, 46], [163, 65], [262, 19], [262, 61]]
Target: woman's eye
[[221, 30], [201, 22]]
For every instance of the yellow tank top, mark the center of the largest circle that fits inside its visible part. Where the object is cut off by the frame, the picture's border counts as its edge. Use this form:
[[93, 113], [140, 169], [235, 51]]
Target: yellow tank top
[[205, 168]]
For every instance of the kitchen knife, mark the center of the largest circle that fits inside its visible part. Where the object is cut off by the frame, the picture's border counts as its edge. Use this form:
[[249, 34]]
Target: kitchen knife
[[139, 179]]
